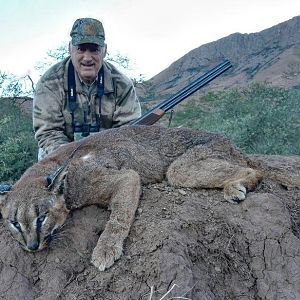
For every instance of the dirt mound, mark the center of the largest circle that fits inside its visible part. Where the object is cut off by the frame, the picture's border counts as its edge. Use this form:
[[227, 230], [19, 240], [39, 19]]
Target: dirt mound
[[189, 242]]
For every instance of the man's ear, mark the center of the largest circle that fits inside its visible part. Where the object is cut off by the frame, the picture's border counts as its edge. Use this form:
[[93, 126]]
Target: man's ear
[[105, 50], [70, 47]]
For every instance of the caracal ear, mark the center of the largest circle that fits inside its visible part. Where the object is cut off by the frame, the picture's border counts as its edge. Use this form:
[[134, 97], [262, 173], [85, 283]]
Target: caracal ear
[[56, 184], [60, 184], [58, 191], [56, 180]]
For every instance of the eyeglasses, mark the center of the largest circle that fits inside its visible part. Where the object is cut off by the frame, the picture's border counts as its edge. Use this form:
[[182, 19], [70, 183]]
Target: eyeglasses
[[93, 48]]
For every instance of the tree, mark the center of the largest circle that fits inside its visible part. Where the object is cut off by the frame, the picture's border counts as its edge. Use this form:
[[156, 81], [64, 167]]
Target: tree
[[53, 57], [13, 86]]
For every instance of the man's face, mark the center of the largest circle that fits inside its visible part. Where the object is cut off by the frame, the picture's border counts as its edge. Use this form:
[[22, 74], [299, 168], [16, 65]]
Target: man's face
[[87, 60]]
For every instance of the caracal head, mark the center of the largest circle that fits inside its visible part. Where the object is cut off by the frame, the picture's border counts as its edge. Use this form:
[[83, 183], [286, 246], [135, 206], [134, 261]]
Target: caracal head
[[33, 212]]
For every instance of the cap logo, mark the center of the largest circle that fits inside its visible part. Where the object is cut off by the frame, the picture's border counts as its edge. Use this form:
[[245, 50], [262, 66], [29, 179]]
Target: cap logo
[[90, 29]]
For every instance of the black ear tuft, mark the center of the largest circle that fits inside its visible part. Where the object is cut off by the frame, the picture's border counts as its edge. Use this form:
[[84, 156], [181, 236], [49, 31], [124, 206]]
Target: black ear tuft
[[61, 187], [53, 177], [49, 180]]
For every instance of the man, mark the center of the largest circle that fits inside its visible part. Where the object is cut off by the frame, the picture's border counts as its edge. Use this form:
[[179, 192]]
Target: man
[[83, 93]]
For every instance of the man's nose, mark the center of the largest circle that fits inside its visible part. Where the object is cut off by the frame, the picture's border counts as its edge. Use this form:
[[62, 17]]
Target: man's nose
[[87, 54]]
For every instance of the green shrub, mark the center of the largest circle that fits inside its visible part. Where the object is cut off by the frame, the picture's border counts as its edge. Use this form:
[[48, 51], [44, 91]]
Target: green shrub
[[18, 149], [258, 119]]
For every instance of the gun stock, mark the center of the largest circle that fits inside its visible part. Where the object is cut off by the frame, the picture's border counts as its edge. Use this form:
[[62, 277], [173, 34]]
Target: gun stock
[[154, 114]]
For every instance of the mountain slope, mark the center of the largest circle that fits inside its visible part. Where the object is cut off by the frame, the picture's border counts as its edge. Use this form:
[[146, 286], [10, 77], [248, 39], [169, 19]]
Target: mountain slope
[[272, 55]]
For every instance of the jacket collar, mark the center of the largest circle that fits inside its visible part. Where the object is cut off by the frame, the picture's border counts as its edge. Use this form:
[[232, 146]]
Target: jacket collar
[[108, 82]]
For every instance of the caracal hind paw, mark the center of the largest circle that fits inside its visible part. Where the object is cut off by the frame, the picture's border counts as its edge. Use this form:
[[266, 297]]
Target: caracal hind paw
[[104, 256], [235, 193]]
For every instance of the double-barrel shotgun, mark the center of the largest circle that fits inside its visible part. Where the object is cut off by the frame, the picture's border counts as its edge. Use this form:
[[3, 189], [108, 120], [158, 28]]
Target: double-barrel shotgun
[[154, 114]]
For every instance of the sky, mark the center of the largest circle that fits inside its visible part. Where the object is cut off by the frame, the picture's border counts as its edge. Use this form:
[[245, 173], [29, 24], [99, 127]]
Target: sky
[[151, 33]]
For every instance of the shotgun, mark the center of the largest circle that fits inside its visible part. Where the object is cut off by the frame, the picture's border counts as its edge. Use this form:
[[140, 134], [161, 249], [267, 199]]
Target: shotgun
[[154, 114]]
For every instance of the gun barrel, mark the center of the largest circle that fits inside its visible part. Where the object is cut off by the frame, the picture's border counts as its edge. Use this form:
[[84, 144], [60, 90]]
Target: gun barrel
[[196, 85], [185, 92]]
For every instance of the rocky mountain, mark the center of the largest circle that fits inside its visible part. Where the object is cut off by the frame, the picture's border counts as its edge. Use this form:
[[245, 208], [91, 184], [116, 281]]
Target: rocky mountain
[[272, 56]]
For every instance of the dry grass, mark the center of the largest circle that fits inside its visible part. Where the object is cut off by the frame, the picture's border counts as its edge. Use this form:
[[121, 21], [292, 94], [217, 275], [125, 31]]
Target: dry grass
[[165, 296]]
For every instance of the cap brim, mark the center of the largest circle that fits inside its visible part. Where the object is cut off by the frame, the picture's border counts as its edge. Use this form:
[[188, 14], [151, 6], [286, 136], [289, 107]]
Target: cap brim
[[76, 40]]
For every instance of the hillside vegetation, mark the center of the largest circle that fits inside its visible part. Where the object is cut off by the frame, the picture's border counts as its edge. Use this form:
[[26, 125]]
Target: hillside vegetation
[[260, 119], [17, 145]]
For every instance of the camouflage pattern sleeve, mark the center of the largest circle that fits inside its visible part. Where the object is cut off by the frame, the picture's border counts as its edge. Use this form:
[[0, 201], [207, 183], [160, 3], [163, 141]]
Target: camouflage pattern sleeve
[[48, 119], [128, 107]]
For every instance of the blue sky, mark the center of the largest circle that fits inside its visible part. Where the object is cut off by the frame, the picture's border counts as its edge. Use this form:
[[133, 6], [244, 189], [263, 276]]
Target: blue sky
[[152, 34]]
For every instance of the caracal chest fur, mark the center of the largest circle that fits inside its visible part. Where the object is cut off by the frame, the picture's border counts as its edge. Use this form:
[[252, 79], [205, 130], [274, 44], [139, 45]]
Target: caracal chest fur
[[108, 169]]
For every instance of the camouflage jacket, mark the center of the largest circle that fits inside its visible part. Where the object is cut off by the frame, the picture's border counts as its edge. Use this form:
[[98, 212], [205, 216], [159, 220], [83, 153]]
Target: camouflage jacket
[[52, 119]]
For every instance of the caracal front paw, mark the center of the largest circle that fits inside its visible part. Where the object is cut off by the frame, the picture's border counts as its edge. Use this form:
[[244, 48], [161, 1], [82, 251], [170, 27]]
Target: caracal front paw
[[235, 192], [105, 254]]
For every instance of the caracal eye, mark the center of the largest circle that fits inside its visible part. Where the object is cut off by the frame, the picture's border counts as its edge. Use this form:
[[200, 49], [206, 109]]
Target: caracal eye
[[41, 218], [17, 225]]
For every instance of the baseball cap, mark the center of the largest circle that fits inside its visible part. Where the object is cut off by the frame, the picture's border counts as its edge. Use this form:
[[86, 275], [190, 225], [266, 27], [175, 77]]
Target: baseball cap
[[87, 30]]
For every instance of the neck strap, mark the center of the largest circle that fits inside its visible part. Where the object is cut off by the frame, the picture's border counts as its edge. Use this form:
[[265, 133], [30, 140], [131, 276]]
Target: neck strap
[[85, 128]]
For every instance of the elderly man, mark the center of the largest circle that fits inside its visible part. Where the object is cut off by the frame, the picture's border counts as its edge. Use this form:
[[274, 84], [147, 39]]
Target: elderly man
[[83, 93]]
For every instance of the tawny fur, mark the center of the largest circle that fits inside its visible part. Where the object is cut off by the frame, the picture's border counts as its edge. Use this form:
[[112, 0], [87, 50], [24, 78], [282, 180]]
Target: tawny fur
[[108, 169]]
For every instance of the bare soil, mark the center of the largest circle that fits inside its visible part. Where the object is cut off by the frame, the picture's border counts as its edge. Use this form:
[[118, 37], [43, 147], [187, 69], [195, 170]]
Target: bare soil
[[189, 242]]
